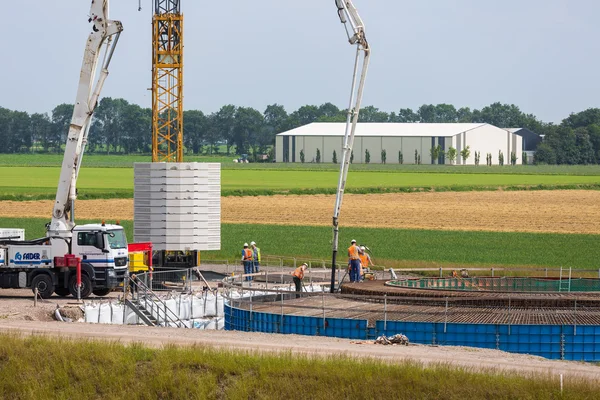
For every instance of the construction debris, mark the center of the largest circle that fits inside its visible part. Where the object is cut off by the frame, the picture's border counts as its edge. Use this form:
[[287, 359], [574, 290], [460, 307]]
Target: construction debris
[[393, 340]]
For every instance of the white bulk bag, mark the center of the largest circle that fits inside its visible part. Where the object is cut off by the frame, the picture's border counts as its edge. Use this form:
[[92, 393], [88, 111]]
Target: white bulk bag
[[220, 306], [197, 307], [210, 305], [91, 313], [105, 316], [117, 314]]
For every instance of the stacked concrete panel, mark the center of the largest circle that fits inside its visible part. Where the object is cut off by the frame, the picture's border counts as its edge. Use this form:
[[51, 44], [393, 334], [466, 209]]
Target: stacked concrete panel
[[177, 206]]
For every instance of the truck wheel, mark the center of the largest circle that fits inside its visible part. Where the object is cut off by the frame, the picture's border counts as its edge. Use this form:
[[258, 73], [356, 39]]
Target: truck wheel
[[101, 292], [44, 285], [62, 291], [86, 286]]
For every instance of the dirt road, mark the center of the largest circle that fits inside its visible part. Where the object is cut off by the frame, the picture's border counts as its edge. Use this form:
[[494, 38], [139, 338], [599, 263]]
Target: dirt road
[[564, 211], [476, 359]]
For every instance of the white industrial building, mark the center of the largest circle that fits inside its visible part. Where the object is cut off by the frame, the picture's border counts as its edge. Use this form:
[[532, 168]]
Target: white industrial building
[[395, 137]]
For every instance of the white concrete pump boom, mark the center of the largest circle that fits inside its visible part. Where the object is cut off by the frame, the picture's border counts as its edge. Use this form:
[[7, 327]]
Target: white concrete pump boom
[[355, 30], [103, 30]]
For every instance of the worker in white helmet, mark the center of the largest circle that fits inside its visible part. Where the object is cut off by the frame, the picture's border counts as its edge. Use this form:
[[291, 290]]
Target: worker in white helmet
[[255, 257], [247, 256], [354, 261], [365, 261]]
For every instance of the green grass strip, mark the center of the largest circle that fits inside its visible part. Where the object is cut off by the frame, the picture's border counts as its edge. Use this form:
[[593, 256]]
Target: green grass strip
[[464, 248], [44, 368]]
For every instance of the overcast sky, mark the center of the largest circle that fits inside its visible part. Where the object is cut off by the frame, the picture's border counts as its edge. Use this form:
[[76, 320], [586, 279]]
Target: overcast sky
[[541, 55]]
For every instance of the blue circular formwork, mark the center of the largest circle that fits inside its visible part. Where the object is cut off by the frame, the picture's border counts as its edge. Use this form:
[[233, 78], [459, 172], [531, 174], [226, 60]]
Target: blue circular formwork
[[570, 331]]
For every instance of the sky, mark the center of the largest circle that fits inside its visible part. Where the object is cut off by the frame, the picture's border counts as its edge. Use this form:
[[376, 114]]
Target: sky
[[541, 55]]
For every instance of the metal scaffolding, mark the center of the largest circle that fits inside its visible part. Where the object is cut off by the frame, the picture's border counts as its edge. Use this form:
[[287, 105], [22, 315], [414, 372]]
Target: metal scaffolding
[[167, 82]]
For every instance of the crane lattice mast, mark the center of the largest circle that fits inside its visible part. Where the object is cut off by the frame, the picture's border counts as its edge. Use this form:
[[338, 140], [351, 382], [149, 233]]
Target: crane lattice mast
[[167, 81]]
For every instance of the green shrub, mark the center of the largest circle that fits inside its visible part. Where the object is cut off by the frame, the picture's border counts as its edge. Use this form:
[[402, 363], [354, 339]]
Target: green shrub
[[452, 154], [465, 153]]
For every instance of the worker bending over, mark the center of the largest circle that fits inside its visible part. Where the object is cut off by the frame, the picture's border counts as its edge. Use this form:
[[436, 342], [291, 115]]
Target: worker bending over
[[298, 276], [365, 261], [354, 260], [255, 256], [247, 260]]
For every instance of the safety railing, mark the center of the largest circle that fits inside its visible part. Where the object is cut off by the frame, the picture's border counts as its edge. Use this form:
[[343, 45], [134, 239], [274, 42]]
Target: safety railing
[[151, 305], [502, 284], [276, 261]]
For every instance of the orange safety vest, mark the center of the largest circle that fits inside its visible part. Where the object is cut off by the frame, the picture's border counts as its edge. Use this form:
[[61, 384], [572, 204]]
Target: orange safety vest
[[299, 273], [353, 252], [248, 254], [364, 260]]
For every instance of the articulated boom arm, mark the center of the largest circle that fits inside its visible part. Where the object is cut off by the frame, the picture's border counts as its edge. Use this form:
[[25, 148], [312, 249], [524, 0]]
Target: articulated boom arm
[[103, 30], [355, 30]]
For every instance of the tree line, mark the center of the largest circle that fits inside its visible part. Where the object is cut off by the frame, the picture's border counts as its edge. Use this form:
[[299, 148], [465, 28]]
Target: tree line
[[119, 127]]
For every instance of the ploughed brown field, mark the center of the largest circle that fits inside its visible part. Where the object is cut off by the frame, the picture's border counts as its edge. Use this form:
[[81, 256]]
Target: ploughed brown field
[[565, 211]]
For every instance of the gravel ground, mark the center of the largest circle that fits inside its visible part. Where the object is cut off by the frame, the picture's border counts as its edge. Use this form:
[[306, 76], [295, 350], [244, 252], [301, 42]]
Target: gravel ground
[[18, 305], [18, 314]]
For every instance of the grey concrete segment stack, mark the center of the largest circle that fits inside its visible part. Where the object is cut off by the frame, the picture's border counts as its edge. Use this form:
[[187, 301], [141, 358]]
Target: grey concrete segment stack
[[177, 206]]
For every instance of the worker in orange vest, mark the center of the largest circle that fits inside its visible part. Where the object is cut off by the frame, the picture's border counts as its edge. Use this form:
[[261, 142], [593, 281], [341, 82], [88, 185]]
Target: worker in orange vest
[[354, 261], [365, 260], [247, 260], [298, 275]]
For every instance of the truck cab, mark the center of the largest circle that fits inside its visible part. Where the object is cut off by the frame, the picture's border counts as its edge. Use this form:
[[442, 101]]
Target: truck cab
[[103, 251]]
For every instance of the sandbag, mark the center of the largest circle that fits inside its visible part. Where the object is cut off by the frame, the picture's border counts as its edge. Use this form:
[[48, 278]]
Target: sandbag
[[220, 306], [91, 313], [197, 307], [200, 323], [210, 305], [184, 308], [105, 316], [212, 324], [131, 317], [172, 310], [117, 314]]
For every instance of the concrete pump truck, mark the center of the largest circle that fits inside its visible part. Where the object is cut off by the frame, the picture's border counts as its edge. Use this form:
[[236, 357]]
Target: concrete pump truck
[[46, 265]]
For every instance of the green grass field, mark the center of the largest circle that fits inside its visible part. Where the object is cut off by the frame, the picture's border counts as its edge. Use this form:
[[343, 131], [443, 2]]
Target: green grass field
[[44, 368], [392, 245], [38, 182]]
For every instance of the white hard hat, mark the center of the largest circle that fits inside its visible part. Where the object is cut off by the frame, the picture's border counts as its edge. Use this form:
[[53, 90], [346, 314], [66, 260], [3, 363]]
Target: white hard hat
[[362, 247], [252, 243], [245, 244], [353, 241]]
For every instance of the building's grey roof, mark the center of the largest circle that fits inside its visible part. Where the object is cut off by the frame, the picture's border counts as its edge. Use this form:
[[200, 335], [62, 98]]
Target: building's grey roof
[[382, 129], [513, 130]]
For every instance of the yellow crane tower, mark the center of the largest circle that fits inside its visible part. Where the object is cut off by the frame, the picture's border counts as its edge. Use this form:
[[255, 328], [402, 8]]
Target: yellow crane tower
[[167, 81]]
